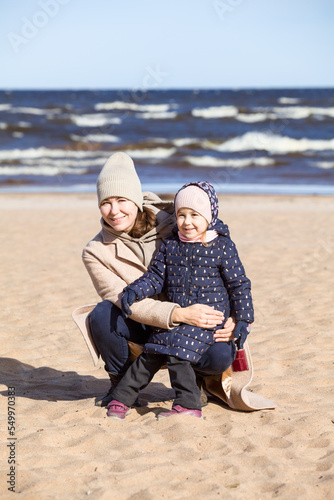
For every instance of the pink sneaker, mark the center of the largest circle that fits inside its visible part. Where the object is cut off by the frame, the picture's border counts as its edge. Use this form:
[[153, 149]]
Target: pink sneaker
[[117, 410], [179, 410]]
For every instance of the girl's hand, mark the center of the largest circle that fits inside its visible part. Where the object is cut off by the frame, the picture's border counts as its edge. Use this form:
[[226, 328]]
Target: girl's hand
[[225, 334], [198, 315]]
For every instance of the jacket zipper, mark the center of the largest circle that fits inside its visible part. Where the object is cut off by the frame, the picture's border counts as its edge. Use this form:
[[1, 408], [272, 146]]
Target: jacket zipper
[[187, 276], [189, 262]]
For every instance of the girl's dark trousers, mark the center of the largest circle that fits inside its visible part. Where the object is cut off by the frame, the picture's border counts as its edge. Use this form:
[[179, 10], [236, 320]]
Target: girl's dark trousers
[[110, 332]]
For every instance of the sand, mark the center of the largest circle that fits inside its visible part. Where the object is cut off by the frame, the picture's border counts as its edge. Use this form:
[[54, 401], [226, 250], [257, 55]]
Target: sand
[[66, 447]]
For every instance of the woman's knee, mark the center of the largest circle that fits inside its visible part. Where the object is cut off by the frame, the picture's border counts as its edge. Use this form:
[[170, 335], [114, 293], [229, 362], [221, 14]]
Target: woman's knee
[[101, 310], [100, 318], [217, 358]]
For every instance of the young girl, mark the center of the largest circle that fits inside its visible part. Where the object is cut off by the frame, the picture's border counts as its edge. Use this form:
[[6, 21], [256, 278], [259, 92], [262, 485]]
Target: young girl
[[199, 264]]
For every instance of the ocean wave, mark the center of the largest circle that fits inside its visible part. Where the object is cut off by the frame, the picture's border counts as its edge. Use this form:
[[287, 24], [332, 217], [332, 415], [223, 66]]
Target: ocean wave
[[274, 144], [24, 124], [302, 112], [48, 171], [35, 111], [18, 154], [95, 120], [120, 105], [167, 115], [10, 126], [67, 162], [210, 161], [155, 153], [252, 117], [285, 113], [263, 113], [95, 138], [185, 141], [324, 164], [288, 100], [5, 107], [215, 112]]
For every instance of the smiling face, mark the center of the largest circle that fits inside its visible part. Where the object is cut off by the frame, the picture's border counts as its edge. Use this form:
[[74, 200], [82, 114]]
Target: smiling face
[[119, 213], [190, 223]]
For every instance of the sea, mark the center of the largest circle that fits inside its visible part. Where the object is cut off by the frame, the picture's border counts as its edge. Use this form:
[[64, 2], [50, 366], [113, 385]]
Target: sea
[[274, 141]]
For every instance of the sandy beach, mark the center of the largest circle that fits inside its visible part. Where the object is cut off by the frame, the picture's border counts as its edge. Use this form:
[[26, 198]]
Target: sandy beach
[[65, 447]]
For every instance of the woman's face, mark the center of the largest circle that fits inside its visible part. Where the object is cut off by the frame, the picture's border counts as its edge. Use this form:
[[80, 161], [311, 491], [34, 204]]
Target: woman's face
[[119, 213]]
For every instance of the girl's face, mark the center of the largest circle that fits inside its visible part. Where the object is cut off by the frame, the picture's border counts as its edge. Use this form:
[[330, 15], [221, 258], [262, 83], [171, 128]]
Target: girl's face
[[190, 223], [119, 213]]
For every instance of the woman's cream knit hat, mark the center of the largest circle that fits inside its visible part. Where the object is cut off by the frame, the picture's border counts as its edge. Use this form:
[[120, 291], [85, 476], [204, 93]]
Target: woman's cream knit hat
[[118, 177]]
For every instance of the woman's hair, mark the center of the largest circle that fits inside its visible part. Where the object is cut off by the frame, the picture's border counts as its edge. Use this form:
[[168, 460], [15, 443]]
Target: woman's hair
[[145, 221]]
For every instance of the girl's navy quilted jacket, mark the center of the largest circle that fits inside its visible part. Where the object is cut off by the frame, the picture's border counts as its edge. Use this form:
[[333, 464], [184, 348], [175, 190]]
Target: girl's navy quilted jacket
[[192, 273]]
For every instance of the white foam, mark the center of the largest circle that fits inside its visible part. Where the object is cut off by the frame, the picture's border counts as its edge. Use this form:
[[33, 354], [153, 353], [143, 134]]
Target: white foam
[[274, 144], [67, 162], [3, 125], [151, 153], [95, 120], [35, 111], [95, 138], [324, 164], [215, 112], [210, 161], [285, 113], [17, 135], [49, 171], [252, 117], [168, 115], [302, 112], [18, 154], [5, 107], [179, 143], [24, 124], [120, 105], [288, 100]]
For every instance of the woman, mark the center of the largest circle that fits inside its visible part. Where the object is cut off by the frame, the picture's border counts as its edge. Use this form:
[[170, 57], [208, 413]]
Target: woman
[[133, 226]]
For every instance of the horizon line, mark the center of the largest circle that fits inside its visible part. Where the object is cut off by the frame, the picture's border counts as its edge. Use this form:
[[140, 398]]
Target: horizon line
[[162, 89]]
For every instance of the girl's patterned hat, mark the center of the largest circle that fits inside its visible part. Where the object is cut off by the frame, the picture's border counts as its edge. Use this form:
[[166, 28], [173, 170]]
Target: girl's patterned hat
[[201, 197]]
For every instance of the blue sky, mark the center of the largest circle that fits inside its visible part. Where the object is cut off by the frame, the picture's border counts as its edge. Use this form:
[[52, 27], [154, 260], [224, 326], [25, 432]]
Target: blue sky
[[50, 44]]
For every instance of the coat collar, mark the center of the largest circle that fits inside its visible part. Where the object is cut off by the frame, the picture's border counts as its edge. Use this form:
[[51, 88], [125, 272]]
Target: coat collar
[[122, 252]]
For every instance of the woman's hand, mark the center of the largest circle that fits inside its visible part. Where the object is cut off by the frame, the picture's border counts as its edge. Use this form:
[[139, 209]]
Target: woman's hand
[[199, 315], [225, 334]]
